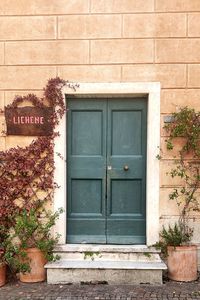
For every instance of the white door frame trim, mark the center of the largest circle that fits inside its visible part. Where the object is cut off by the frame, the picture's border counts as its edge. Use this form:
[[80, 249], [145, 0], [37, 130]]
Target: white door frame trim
[[128, 89]]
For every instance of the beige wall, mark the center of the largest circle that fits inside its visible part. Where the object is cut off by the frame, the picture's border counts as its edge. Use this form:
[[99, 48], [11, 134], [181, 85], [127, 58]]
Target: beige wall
[[102, 41]]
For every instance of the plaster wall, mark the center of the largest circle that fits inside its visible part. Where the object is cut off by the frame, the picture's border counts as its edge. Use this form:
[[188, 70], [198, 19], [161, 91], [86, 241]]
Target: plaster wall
[[103, 41]]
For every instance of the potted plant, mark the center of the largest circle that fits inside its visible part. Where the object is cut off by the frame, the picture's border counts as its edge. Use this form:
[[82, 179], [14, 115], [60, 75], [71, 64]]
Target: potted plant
[[26, 176], [2, 270], [181, 255], [176, 240], [7, 254], [3, 238], [35, 242]]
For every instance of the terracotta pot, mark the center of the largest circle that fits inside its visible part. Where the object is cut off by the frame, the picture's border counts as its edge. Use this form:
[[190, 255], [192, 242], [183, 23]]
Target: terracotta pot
[[2, 274], [182, 263], [37, 262]]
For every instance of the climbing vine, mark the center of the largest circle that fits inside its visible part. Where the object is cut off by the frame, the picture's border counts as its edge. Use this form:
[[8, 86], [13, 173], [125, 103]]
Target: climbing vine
[[185, 124], [26, 173]]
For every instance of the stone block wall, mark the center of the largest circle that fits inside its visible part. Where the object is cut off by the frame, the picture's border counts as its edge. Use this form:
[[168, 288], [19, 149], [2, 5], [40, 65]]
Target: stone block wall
[[103, 41]]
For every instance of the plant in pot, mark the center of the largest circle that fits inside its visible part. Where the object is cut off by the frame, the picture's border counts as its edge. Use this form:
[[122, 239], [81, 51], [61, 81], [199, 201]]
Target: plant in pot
[[7, 254], [181, 255], [33, 229], [2, 270], [7, 251], [184, 133], [3, 241], [26, 175]]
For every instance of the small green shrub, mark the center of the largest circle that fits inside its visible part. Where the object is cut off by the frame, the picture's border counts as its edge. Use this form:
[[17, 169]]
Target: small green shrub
[[32, 230], [175, 235]]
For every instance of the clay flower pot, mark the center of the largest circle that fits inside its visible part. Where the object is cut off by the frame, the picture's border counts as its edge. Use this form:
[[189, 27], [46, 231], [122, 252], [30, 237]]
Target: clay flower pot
[[182, 263], [37, 262], [2, 274]]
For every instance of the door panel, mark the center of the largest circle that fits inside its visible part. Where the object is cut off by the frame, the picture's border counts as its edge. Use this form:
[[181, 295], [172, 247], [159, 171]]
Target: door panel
[[126, 179], [125, 140], [106, 203], [86, 171], [121, 201], [87, 196], [87, 127]]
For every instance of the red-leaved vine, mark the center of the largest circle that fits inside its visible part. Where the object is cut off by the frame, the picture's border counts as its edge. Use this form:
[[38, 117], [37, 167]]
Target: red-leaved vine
[[26, 174]]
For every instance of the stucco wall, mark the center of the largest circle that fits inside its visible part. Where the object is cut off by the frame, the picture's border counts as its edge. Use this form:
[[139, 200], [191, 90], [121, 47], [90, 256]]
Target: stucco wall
[[103, 41]]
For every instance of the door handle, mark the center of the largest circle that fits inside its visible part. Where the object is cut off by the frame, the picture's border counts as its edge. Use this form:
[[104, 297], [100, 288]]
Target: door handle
[[126, 168]]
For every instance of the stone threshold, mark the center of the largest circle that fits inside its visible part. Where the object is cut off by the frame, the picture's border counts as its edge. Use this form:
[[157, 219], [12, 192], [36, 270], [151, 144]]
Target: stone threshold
[[105, 248]]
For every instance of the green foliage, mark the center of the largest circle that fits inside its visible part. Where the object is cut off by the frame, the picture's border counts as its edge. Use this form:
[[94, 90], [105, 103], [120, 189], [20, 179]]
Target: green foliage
[[147, 254], [4, 237], [186, 124], [91, 255], [16, 258], [176, 235], [158, 156], [32, 229], [169, 144]]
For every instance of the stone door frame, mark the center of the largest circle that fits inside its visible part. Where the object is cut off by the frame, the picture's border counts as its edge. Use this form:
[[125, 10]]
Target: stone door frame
[[152, 91]]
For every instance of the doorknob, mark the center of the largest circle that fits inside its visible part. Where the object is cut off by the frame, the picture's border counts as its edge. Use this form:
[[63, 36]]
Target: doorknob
[[126, 168]]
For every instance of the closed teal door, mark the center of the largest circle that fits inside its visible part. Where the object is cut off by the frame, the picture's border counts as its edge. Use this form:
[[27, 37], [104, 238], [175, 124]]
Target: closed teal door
[[106, 171]]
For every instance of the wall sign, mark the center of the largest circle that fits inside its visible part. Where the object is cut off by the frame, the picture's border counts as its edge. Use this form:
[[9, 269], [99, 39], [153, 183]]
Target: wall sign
[[29, 120]]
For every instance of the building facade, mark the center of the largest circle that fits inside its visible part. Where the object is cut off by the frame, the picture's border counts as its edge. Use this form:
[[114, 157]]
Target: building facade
[[137, 61]]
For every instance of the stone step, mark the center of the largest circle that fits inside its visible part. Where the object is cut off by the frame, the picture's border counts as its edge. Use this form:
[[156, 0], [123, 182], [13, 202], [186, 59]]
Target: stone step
[[108, 252], [112, 272], [105, 248], [80, 264], [114, 264]]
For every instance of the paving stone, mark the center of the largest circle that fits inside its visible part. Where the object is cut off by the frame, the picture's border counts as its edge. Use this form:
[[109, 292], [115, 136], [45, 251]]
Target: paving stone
[[42, 291]]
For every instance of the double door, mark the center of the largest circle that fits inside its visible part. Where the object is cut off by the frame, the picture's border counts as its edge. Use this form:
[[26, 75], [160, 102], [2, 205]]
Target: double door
[[106, 171]]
